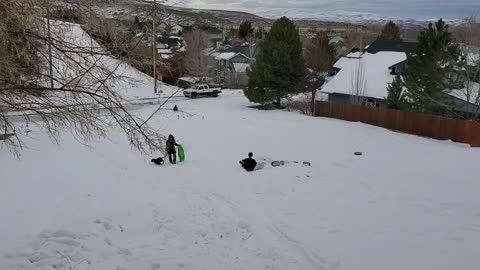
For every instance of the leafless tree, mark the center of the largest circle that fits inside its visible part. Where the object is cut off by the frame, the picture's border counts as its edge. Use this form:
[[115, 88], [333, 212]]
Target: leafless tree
[[358, 38], [196, 61], [358, 82], [472, 88], [82, 98], [469, 32], [319, 57], [469, 36]]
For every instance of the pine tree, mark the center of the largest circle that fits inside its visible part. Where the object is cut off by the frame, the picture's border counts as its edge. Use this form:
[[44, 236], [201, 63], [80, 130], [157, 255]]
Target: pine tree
[[245, 30], [391, 32], [427, 71], [135, 26], [396, 95], [279, 65]]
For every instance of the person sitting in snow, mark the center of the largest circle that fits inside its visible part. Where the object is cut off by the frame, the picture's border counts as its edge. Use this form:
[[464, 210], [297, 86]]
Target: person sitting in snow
[[249, 163], [171, 151]]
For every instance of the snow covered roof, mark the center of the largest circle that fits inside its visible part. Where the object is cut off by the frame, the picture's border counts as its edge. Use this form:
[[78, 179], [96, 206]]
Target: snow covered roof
[[166, 56], [473, 58], [356, 54], [383, 45], [470, 94], [240, 67], [189, 79], [229, 55], [374, 70], [164, 51], [225, 56], [336, 39]]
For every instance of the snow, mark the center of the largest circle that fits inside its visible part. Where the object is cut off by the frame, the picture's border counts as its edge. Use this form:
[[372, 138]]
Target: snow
[[133, 83], [336, 40], [190, 79], [165, 53], [241, 67], [225, 56], [407, 203], [350, 55], [470, 94], [375, 72], [473, 58], [371, 12], [106, 207]]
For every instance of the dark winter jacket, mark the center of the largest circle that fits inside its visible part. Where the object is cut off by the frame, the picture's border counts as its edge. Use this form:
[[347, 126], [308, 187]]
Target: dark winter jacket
[[249, 164], [170, 147]]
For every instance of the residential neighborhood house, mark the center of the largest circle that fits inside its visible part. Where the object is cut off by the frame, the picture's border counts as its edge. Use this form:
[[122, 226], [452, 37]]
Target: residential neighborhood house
[[232, 62], [363, 76]]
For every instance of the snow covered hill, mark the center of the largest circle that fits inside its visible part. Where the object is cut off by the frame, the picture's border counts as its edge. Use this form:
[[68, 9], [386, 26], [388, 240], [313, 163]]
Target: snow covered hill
[[131, 83], [337, 11], [407, 203]]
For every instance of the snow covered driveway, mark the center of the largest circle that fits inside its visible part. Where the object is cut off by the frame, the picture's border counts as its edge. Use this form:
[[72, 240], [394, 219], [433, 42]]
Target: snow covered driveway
[[407, 203]]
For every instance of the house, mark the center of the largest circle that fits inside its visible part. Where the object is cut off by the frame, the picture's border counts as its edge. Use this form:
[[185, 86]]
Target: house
[[337, 41], [169, 42], [231, 62], [464, 101], [228, 59], [232, 68], [365, 75], [383, 45], [171, 28], [166, 46], [215, 35], [176, 29]]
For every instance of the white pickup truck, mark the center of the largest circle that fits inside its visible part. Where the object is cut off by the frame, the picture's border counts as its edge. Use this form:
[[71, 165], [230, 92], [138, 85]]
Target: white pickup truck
[[199, 90]]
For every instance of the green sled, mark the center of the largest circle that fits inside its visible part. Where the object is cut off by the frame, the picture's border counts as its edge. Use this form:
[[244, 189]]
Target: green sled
[[181, 154]]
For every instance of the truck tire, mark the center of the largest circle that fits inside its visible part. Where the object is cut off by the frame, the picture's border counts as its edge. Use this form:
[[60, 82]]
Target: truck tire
[[193, 95], [215, 94]]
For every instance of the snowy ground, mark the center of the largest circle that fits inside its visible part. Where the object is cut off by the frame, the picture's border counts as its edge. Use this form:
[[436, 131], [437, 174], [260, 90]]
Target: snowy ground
[[408, 203]]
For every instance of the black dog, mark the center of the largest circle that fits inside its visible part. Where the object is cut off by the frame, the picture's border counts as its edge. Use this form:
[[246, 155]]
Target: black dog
[[158, 161]]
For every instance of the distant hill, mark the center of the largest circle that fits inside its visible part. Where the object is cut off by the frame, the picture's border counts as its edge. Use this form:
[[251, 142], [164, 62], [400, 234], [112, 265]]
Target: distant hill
[[128, 9]]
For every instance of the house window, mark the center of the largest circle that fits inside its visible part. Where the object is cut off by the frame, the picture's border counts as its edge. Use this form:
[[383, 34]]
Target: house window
[[370, 103], [394, 71]]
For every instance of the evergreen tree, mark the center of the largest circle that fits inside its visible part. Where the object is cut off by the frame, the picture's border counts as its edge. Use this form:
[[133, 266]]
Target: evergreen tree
[[136, 23], [396, 95], [428, 70], [245, 30], [391, 32], [279, 65], [135, 26]]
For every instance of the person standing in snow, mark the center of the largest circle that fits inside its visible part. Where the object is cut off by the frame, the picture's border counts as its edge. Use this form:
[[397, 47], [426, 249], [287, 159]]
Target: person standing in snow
[[175, 108], [171, 151], [249, 163]]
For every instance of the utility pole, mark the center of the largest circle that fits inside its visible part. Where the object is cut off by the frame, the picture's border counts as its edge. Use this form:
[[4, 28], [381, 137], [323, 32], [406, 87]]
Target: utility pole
[[90, 18], [154, 47], [49, 36]]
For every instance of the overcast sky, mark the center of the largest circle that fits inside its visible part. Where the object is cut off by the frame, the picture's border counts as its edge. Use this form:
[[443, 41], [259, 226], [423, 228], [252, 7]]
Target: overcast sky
[[400, 8]]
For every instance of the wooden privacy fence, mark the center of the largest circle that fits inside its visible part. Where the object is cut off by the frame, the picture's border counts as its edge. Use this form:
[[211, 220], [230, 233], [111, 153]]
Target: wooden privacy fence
[[427, 125]]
